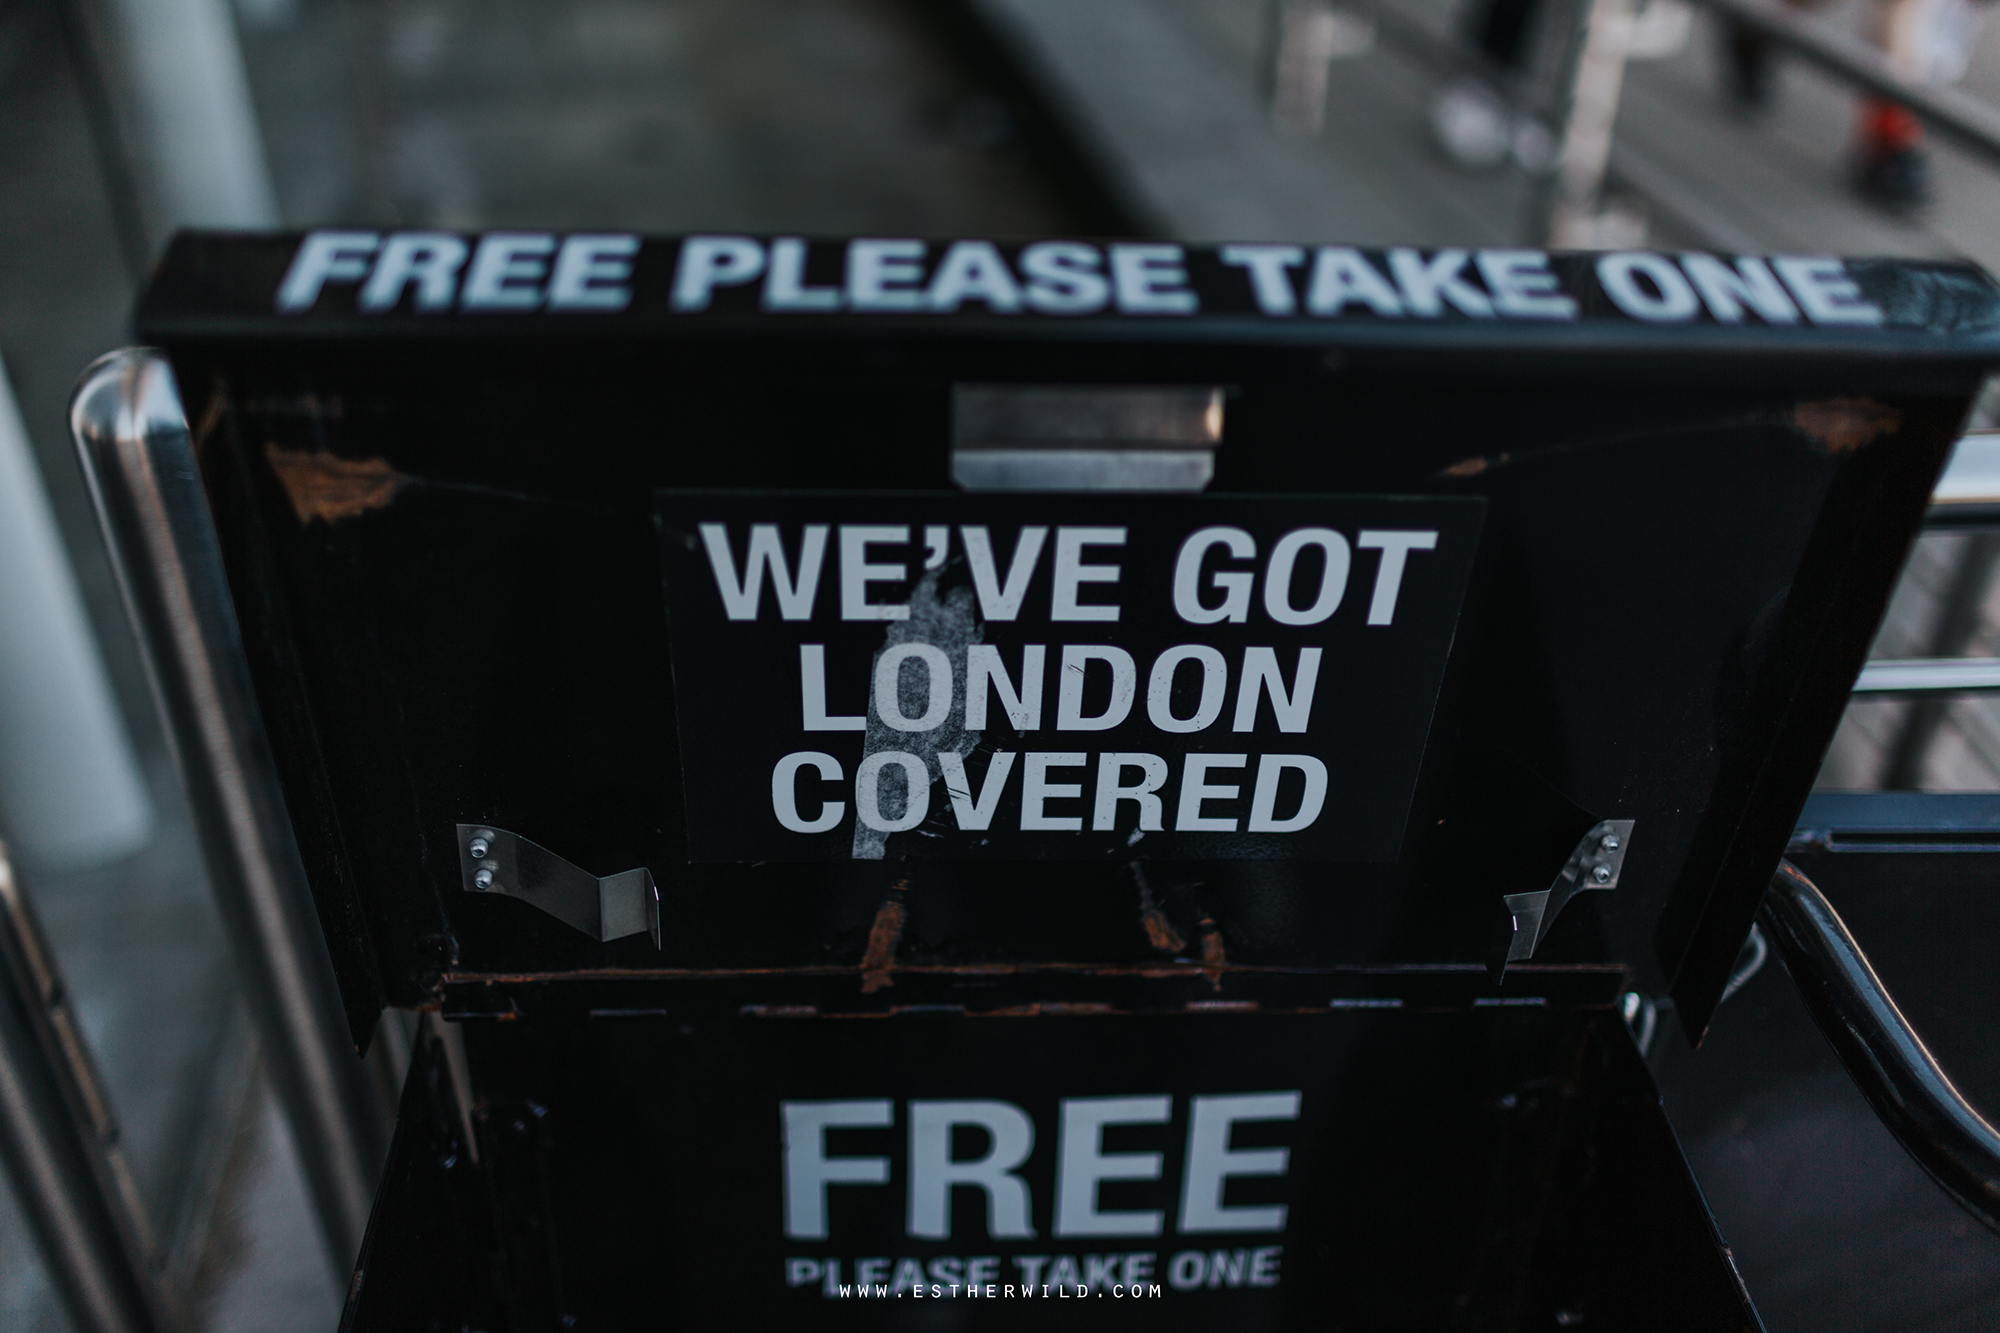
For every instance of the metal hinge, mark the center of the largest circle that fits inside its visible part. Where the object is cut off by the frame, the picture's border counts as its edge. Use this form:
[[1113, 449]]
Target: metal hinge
[[492, 860], [1595, 864]]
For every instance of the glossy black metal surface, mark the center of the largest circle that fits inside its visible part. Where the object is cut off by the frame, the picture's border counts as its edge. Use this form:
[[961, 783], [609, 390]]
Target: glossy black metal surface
[[1888, 1060], [438, 534], [1453, 1166]]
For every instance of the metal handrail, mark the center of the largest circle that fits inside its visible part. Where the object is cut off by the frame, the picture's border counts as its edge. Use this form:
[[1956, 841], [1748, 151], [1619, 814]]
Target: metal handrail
[[1898, 1075], [1973, 123], [62, 1149], [138, 460]]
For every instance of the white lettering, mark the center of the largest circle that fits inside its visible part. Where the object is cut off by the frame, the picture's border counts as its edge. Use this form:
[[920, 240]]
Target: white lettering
[[889, 686], [1264, 801], [1293, 708], [882, 275], [808, 1170], [1211, 1162], [1071, 573], [1522, 285], [984, 669], [323, 257], [1342, 277], [708, 262], [507, 271], [1110, 769], [1001, 600], [1395, 548], [786, 289], [1036, 789], [1064, 278], [973, 271], [1160, 688], [1195, 789], [1082, 1163], [593, 273], [784, 793], [1670, 301], [812, 694], [975, 815], [1234, 585], [1427, 286], [1076, 658], [431, 259], [1269, 281], [856, 573], [1332, 579], [742, 598], [1825, 292], [1151, 280], [1727, 290], [934, 1173], [868, 791]]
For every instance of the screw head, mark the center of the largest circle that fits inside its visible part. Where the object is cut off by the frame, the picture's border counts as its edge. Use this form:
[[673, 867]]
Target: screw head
[[479, 848], [483, 879], [1600, 874], [1609, 842]]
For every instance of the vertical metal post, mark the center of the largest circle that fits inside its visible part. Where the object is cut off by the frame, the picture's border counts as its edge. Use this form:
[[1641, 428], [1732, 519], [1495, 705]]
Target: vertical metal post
[[138, 461], [60, 1143], [1597, 78]]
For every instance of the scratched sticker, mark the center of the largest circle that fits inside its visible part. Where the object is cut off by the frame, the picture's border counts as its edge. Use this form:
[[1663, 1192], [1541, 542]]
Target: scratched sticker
[[860, 676]]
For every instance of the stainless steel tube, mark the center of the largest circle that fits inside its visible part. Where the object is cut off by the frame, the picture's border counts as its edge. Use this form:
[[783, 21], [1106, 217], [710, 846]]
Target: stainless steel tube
[[60, 1144], [1896, 1073], [138, 459]]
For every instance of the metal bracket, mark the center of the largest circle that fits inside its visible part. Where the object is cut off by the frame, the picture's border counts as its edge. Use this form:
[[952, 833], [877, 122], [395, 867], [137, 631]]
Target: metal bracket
[[1595, 864], [492, 860]]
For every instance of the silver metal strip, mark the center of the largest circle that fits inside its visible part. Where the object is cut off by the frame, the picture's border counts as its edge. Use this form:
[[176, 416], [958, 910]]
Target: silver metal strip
[[138, 459], [61, 1146], [1929, 675]]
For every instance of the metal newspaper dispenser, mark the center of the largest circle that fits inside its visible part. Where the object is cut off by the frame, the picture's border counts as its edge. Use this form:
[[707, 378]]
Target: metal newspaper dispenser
[[948, 784]]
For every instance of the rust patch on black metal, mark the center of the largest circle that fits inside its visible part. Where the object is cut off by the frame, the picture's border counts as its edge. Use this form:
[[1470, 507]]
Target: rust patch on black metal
[[883, 937], [1160, 932], [1845, 424], [1472, 467], [1214, 961], [331, 488]]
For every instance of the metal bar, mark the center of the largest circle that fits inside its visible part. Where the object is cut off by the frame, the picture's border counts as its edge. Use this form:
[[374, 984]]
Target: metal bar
[[60, 1143], [1887, 1060], [1972, 123], [1929, 675], [138, 460]]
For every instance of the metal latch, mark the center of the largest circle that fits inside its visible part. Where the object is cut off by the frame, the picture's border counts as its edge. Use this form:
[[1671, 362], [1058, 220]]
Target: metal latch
[[1595, 864], [492, 860]]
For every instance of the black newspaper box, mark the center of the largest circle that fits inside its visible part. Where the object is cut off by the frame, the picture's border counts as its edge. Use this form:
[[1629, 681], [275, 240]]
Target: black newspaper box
[[1057, 784]]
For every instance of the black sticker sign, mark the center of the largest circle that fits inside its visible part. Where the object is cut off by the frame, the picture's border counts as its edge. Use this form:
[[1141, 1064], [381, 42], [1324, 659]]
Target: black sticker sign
[[1056, 676]]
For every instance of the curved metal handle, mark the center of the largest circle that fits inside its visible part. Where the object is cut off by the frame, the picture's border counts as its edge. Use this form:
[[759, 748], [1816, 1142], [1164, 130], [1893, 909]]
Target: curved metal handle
[[1883, 1054], [139, 462]]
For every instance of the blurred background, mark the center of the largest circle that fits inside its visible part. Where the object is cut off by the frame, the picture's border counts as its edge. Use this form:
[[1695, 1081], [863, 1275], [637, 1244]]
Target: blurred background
[[1729, 126]]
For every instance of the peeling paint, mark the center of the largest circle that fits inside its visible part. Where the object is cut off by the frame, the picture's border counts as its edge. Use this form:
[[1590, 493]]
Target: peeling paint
[[1160, 932], [1214, 962], [1472, 467], [883, 937], [1845, 424], [946, 623], [330, 488]]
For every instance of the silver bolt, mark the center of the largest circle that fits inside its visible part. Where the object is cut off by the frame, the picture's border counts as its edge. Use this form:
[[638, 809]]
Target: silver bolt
[[1600, 874], [483, 880], [1609, 842], [479, 849]]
